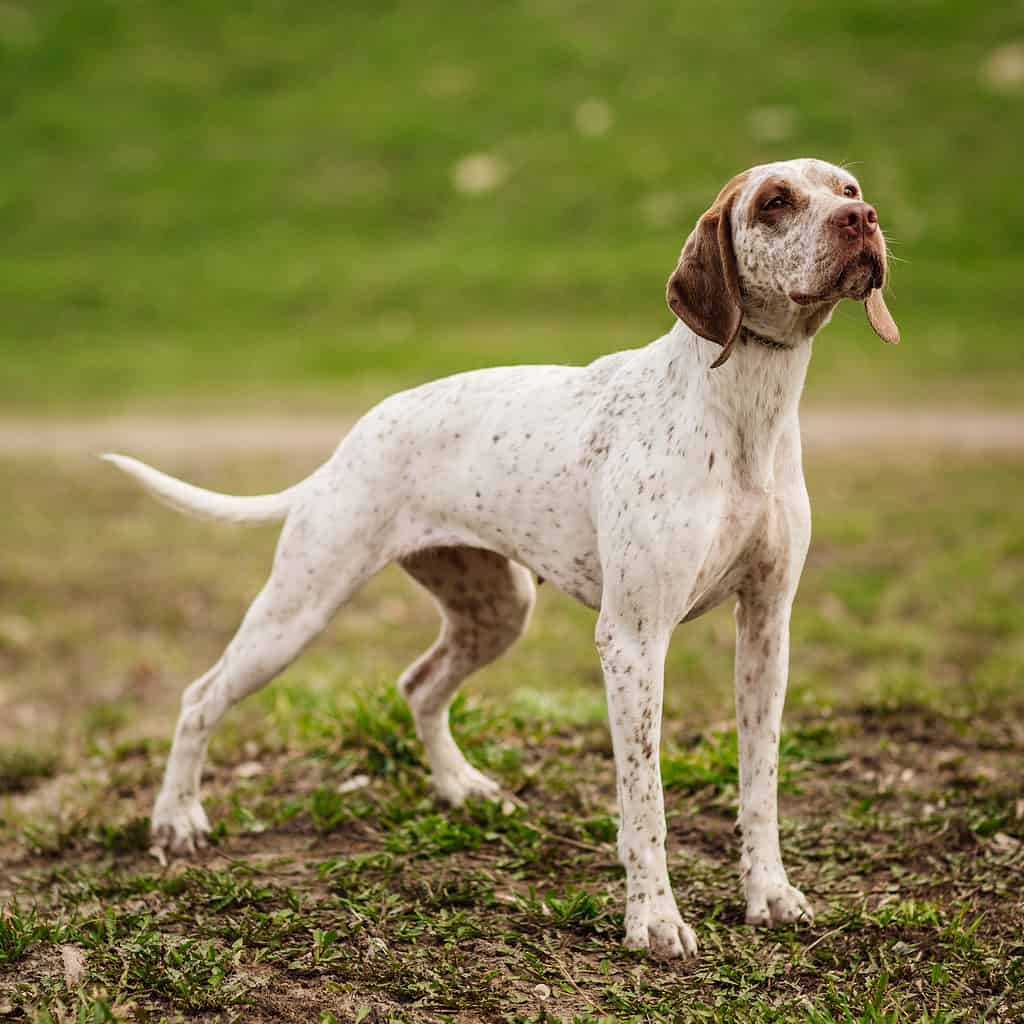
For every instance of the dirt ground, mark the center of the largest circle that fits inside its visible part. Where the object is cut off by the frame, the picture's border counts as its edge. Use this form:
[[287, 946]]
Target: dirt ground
[[339, 891], [893, 434]]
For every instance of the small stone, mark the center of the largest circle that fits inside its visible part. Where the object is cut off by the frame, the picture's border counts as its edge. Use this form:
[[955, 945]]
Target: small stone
[[542, 992], [248, 770], [593, 118], [1005, 843], [356, 782], [1003, 69], [74, 965], [478, 172]]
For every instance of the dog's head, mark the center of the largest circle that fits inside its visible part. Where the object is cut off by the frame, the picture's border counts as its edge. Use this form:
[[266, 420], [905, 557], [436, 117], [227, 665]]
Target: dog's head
[[780, 247]]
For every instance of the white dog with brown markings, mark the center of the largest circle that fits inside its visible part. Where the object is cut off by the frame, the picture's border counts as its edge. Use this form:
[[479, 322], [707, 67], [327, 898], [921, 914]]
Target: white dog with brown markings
[[651, 485]]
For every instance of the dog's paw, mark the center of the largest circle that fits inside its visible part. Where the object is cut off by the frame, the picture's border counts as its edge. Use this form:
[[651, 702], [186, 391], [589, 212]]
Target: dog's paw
[[778, 904], [178, 829], [458, 784], [658, 928], [665, 938]]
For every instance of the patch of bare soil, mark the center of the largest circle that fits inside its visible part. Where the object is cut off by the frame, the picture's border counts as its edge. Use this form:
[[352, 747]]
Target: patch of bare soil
[[890, 433]]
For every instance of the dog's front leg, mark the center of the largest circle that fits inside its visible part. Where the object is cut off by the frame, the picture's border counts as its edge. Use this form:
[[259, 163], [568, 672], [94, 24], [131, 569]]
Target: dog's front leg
[[633, 660], [762, 666]]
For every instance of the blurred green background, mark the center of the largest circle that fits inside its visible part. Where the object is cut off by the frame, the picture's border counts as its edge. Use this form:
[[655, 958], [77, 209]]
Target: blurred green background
[[246, 202]]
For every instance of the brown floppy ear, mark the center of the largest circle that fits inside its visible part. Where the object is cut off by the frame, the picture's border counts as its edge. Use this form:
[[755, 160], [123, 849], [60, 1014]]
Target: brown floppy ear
[[879, 316], [704, 289]]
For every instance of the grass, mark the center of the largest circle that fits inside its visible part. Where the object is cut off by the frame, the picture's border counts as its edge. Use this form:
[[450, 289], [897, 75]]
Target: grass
[[514, 912], [245, 201], [338, 890], [20, 769]]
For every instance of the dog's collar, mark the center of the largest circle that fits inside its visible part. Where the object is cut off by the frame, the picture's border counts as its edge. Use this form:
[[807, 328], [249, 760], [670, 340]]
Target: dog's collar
[[746, 334]]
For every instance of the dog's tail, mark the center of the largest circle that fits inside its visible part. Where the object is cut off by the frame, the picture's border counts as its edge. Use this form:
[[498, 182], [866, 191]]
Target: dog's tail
[[205, 504]]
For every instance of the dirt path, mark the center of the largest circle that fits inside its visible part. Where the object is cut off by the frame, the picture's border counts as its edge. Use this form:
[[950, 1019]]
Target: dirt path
[[893, 435]]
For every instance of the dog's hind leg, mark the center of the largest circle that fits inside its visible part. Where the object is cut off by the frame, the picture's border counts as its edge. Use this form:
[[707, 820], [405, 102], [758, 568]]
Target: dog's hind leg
[[314, 573], [485, 602]]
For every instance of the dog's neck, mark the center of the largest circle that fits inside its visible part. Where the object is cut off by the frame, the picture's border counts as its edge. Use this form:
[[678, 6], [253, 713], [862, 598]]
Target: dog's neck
[[751, 337], [755, 393]]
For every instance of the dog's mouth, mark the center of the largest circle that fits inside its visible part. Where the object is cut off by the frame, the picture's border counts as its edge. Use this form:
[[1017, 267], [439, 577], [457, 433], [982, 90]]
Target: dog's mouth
[[855, 279]]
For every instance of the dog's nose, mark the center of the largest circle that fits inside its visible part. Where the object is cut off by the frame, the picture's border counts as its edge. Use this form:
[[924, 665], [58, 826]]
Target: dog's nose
[[852, 220]]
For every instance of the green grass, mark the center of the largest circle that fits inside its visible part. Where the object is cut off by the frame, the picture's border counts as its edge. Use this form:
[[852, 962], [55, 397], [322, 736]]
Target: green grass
[[514, 913], [339, 890], [255, 201], [712, 763], [21, 769]]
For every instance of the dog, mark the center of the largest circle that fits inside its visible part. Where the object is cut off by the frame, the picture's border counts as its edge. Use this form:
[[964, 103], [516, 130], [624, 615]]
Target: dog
[[650, 485]]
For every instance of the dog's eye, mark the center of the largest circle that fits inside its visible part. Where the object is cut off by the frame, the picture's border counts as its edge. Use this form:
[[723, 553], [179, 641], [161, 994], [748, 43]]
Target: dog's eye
[[775, 203], [851, 191]]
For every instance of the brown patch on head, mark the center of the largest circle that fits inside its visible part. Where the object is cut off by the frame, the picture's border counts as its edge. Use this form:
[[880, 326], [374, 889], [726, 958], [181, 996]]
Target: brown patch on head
[[704, 289], [839, 185], [775, 189]]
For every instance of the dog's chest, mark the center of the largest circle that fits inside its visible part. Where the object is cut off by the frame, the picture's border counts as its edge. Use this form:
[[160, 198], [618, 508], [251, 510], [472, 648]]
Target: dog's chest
[[746, 547]]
